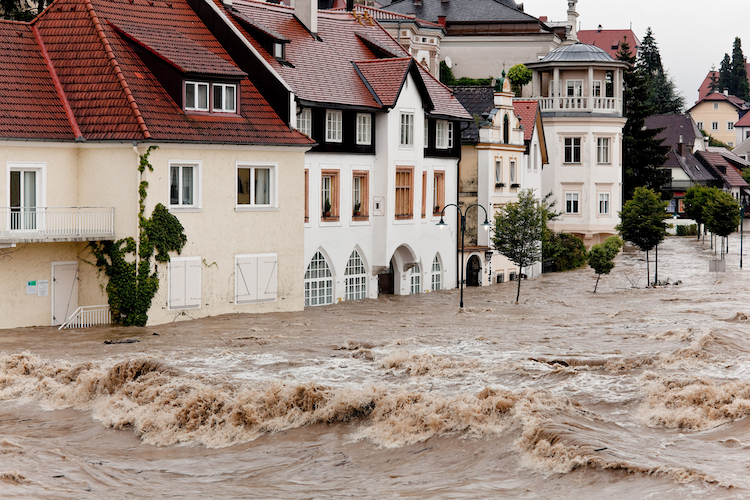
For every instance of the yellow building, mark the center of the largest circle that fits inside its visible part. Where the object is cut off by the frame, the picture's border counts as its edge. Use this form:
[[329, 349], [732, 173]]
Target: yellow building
[[717, 113]]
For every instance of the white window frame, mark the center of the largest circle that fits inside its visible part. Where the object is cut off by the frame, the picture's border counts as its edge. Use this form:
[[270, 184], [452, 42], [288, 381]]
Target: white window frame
[[415, 280], [573, 86], [597, 89], [304, 121], [700, 125], [602, 150], [180, 165], [194, 105], [355, 277], [426, 133], [406, 129], [441, 134], [498, 171], [716, 105], [513, 172], [364, 129], [450, 135], [604, 198], [572, 201], [730, 125], [333, 125], [573, 147], [255, 278], [278, 50], [326, 281], [227, 105], [714, 126], [31, 221], [180, 270], [272, 191], [436, 275]]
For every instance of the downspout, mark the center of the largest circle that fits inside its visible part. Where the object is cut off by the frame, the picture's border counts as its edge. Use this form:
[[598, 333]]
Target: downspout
[[458, 191]]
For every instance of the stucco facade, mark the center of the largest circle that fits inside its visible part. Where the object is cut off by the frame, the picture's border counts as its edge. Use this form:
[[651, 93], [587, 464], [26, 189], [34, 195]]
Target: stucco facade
[[716, 115]]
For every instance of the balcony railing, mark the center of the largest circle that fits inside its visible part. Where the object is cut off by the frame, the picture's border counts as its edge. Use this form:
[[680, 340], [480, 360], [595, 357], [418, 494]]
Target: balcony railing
[[593, 104], [86, 316], [680, 185], [30, 224]]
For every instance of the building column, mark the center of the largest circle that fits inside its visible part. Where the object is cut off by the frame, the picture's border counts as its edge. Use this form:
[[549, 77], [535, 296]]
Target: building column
[[556, 88], [590, 103]]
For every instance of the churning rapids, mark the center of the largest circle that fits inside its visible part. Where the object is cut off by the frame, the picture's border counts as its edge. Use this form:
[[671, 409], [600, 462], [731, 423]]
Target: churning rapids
[[626, 393]]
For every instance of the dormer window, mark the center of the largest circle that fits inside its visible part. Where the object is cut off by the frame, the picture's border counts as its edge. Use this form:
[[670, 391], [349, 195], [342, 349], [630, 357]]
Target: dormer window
[[278, 50], [224, 97]]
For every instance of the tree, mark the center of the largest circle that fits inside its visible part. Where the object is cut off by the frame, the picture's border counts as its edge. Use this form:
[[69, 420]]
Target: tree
[[642, 222], [518, 232], [695, 202], [519, 75], [713, 80], [602, 255], [725, 74], [643, 154], [722, 213], [739, 85], [663, 97]]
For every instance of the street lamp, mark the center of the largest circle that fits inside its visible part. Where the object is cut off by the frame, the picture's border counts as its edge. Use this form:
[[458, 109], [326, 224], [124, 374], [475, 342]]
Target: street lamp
[[486, 225]]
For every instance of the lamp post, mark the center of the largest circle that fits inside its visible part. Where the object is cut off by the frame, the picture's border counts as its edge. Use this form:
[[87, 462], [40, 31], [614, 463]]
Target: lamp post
[[486, 224], [742, 227]]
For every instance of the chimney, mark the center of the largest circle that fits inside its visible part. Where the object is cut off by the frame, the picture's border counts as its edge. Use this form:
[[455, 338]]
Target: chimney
[[572, 24], [679, 147], [599, 30], [543, 19], [307, 13], [417, 3], [726, 91], [441, 21]]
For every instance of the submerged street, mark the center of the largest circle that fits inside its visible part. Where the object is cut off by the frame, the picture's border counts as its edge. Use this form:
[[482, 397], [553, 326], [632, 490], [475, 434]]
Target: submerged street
[[628, 392]]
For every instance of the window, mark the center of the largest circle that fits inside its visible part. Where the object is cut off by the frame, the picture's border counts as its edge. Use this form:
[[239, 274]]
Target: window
[[730, 144], [681, 206], [333, 126], [255, 278], [443, 134], [360, 196], [25, 195], [716, 105], [426, 133], [415, 278], [436, 275], [450, 135], [318, 282], [278, 50], [196, 96], [224, 98], [499, 172], [714, 125], [255, 186], [700, 125], [438, 192], [364, 129], [609, 83], [407, 129], [506, 129], [571, 203], [730, 125], [597, 88], [513, 179], [602, 150], [572, 150], [404, 187], [304, 121], [574, 88], [183, 185], [424, 195], [604, 203], [307, 195], [184, 282], [329, 194], [355, 278]]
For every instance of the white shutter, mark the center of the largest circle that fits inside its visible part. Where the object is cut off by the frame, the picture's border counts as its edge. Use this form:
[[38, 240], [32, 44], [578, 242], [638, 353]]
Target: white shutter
[[176, 283], [193, 283], [246, 279], [267, 277]]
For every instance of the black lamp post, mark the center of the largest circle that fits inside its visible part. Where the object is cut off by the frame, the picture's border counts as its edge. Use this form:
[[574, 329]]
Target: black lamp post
[[742, 228], [486, 224]]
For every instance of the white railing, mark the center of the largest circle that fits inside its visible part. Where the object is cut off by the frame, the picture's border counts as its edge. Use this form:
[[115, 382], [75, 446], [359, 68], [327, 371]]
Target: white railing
[[50, 223], [596, 104], [86, 316]]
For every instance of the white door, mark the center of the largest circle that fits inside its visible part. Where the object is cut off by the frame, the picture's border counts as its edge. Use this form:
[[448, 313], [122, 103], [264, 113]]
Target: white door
[[64, 291]]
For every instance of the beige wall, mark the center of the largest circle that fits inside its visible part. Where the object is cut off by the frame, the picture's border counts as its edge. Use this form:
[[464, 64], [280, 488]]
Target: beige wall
[[704, 112]]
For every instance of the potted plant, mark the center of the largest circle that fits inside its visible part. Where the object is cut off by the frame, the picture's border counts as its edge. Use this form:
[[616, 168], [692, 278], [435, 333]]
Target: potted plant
[[357, 211], [437, 209], [327, 208]]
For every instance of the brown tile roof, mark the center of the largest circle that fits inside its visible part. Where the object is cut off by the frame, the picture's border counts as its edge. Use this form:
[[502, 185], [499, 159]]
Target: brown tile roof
[[113, 94], [744, 121], [384, 15], [609, 40], [445, 104], [385, 77], [527, 111], [718, 96], [30, 103], [675, 126], [722, 167]]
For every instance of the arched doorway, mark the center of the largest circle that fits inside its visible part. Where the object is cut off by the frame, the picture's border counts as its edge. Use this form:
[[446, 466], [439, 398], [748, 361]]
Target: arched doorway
[[473, 271], [385, 281]]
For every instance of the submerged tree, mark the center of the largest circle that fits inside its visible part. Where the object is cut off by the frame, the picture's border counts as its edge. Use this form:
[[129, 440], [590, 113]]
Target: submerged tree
[[722, 213], [601, 257], [642, 222], [518, 232], [695, 202]]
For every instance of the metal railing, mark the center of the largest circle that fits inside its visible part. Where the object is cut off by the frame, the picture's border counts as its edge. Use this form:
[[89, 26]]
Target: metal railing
[[684, 184], [596, 104], [86, 316], [50, 223]]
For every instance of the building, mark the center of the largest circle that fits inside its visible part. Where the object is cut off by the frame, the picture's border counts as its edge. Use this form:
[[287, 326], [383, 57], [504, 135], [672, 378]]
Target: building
[[579, 90], [385, 163], [610, 40], [717, 113], [705, 88], [108, 80]]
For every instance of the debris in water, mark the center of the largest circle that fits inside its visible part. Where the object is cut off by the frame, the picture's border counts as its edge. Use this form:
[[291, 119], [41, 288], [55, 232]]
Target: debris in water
[[124, 341]]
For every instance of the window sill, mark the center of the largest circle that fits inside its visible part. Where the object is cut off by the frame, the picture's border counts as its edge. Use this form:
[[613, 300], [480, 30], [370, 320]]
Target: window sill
[[606, 164], [499, 184], [360, 221], [515, 185], [185, 209], [404, 217], [185, 308], [572, 163], [330, 218], [329, 223], [360, 218], [258, 208]]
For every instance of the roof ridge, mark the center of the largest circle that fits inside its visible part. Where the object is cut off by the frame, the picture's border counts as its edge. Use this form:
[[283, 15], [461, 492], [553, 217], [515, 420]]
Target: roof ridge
[[116, 67], [58, 86]]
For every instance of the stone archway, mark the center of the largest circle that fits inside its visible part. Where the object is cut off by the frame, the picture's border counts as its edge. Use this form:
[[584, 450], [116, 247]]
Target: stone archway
[[473, 271]]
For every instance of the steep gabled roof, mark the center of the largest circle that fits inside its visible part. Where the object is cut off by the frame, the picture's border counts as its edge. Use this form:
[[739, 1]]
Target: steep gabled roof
[[705, 87], [30, 103], [718, 96], [744, 121], [444, 103], [385, 77], [609, 40], [674, 127], [526, 111], [463, 11], [384, 16], [722, 168]]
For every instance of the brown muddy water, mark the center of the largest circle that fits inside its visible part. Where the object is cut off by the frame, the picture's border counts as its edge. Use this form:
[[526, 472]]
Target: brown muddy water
[[627, 393]]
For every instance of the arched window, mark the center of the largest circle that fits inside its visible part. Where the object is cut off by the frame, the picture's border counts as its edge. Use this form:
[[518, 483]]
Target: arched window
[[436, 274], [416, 275], [355, 278], [506, 129], [318, 282]]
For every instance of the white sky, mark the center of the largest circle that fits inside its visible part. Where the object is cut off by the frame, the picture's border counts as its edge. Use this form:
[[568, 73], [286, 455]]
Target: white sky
[[691, 34]]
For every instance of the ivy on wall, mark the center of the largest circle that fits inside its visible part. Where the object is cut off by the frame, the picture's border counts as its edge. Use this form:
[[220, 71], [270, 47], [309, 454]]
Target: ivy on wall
[[132, 285]]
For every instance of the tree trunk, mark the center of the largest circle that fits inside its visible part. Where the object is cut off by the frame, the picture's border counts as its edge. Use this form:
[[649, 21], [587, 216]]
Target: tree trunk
[[518, 291], [699, 231], [656, 268], [648, 272], [597, 282]]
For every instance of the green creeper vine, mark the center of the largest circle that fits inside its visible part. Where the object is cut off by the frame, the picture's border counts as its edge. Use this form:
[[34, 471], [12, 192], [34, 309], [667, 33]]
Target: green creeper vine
[[132, 285]]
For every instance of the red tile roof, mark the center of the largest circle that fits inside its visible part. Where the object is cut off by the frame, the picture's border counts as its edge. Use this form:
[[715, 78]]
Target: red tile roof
[[30, 103], [385, 77], [718, 96], [704, 89], [744, 121], [609, 40], [384, 15], [527, 111], [445, 104], [723, 168], [113, 94]]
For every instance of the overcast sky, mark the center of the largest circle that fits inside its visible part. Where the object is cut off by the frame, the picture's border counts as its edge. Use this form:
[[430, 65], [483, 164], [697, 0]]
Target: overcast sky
[[691, 34]]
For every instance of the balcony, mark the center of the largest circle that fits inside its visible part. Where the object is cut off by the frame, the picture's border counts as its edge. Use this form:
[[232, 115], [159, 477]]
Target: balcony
[[51, 224], [604, 105], [680, 185]]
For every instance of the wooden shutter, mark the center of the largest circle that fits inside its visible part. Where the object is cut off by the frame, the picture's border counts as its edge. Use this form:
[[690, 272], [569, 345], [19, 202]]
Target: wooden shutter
[[255, 278], [193, 283], [267, 277], [176, 283]]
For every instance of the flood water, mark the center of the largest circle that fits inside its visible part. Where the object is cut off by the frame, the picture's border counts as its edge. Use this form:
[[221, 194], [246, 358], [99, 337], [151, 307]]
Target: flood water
[[627, 393]]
